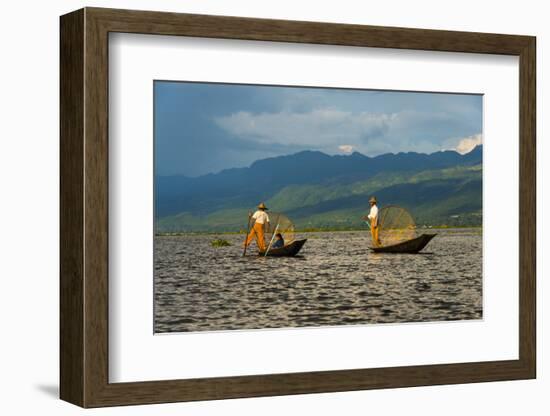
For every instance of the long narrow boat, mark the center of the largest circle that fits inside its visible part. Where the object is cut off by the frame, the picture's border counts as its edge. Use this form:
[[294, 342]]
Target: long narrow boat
[[410, 246], [290, 250]]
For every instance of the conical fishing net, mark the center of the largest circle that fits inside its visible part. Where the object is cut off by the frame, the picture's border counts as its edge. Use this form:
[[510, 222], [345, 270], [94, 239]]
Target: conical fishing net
[[396, 225], [279, 223]]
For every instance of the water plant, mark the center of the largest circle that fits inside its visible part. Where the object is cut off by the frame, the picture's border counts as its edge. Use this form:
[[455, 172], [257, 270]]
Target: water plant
[[220, 243]]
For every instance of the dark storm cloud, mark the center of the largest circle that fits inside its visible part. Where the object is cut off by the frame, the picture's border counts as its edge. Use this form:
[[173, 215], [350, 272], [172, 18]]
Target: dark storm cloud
[[202, 128]]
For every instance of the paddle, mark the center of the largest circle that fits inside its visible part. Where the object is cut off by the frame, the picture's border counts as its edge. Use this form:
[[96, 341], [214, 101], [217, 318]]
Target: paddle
[[365, 218], [246, 235], [271, 242]]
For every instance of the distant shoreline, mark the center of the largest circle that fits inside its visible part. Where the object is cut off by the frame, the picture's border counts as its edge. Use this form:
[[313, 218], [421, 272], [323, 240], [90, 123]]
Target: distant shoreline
[[309, 230]]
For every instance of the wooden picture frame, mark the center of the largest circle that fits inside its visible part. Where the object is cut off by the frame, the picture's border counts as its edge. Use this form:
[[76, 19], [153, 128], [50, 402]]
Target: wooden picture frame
[[84, 207]]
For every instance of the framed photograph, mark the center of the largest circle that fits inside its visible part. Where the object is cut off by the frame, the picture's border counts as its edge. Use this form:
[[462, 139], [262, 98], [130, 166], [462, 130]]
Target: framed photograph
[[255, 207]]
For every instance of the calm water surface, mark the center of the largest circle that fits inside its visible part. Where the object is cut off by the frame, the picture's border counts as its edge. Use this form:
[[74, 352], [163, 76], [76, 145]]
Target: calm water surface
[[334, 281]]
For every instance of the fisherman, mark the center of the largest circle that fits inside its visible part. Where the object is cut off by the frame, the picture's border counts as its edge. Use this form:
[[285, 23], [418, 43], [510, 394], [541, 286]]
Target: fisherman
[[261, 220], [279, 241], [373, 217]]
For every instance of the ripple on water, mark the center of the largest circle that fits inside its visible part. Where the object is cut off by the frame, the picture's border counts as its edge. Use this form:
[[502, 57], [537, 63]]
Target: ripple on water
[[335, 281]]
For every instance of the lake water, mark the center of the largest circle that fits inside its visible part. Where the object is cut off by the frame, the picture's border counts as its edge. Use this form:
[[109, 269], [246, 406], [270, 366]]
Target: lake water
[[334, 281]]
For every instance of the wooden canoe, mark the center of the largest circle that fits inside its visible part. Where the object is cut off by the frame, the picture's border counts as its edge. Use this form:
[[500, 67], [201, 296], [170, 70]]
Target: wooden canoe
[[290, 250], [409, 246]]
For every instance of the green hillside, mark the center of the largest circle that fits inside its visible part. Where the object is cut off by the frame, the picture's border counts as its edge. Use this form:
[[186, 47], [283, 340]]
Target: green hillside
[[449, 196]]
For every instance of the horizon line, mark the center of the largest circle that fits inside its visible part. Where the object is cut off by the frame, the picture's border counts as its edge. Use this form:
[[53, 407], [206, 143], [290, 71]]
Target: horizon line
[[319, 151]]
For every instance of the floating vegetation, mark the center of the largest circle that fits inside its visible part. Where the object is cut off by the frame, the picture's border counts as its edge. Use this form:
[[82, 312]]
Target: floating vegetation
[[220, 243]]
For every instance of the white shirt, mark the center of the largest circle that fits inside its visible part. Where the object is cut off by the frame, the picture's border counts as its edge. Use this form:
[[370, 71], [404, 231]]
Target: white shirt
[[261, 217], [373, 215]]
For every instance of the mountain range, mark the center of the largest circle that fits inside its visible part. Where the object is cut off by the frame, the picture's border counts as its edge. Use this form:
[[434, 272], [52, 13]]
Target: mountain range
[[317, 190]]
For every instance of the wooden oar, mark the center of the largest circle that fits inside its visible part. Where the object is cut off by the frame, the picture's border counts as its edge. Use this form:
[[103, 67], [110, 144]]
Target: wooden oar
[[246, 236], [365, 218], [271, 242]]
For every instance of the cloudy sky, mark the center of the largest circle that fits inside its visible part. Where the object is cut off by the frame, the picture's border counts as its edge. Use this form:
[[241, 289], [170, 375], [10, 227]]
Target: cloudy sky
[[202, 128]]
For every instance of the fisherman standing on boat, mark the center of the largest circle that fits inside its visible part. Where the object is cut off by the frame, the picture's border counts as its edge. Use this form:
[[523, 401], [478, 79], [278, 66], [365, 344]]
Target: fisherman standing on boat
[[373, 217], [261, 220]]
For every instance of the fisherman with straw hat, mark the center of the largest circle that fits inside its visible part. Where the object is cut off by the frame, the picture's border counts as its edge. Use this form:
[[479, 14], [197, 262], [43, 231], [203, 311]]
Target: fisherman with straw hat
[[261, 220], [373, 218]]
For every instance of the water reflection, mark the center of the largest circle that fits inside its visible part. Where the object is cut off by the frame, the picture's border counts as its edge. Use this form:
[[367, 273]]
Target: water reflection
[[335, 281]]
